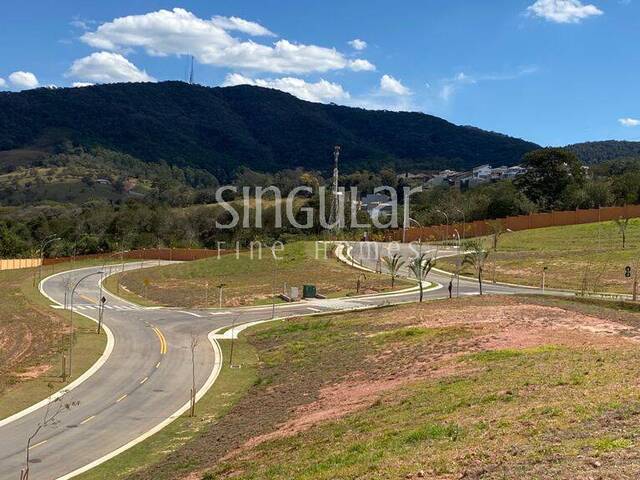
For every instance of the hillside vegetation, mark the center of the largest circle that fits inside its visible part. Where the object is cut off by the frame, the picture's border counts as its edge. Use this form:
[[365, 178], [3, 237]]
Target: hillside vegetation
[[220, 129], [591, 153]]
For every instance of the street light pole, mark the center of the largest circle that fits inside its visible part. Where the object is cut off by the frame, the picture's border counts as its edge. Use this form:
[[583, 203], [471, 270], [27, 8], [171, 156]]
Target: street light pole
[[458, 264], [73, 291], [220, 287], [447, 220], [464, 222], [273, 287], [43, 245]]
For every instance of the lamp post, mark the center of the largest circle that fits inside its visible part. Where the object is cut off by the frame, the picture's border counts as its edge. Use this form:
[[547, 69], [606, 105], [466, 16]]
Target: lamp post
[[458, 263], [233, 328], [464, 222], [220, 287], [447, 220], [43, 245], [273, 287], [73, 291]]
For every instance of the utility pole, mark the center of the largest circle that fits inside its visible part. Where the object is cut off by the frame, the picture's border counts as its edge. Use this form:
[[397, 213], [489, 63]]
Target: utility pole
[[334, 213]]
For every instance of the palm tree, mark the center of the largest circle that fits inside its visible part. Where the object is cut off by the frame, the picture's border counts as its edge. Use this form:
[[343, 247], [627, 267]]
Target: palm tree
[[476, 256], [420, 266], [394, 263]]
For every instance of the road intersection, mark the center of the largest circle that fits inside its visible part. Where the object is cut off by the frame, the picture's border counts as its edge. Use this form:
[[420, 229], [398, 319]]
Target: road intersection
[[145, 380]]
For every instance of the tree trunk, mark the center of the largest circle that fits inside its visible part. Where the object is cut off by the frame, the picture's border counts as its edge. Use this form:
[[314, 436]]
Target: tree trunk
[[393, 280], [421, 292], [480, 280]]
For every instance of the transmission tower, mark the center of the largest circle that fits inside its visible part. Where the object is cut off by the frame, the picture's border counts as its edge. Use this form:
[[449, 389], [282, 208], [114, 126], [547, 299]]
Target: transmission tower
[[191, 72], [335, 193]]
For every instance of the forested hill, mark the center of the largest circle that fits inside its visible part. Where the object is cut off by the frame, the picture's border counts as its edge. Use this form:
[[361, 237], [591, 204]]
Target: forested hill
[[591, 153], [219, 129]]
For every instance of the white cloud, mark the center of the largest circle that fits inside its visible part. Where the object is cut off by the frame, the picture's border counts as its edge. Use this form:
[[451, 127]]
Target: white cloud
[[23, 80], [3, 82], [360, 65], [241, 25], [563, 11], [358, 44], [449, 86], [320, 91], [629, 122], [179, 32], [82, 84], [107, 67], [389, 85]]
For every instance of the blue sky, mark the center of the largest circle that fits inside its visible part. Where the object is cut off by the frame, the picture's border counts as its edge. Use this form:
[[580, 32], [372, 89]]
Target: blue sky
[[550, 71]]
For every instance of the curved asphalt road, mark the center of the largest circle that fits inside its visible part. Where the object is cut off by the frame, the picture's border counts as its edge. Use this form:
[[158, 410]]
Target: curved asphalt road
[[147, 377]]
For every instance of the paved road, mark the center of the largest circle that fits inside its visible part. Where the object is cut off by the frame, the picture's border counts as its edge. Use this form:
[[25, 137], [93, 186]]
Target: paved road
[[147, 377]]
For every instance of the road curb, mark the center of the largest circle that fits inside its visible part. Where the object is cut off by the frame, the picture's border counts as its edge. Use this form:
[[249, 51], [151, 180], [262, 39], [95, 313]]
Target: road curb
[[213, 376], [82, 378]]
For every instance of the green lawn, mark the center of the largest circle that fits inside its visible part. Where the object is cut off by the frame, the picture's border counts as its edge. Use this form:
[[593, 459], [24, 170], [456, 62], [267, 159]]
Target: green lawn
[[577, 255], [470, 388], [248, 280], [33, 339]]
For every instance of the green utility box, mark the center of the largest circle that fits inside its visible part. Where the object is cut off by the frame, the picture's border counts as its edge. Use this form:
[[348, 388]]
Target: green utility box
[[308, 291]]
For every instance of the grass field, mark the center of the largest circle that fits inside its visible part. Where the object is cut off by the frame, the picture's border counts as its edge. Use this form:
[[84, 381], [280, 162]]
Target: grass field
[[248, 280], [33, 338], [589, 255], [477, 388]]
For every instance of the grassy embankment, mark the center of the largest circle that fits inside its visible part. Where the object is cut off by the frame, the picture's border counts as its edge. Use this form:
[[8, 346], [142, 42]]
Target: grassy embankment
[[33, 338], [471, 388], [248, 280], [577, 255]]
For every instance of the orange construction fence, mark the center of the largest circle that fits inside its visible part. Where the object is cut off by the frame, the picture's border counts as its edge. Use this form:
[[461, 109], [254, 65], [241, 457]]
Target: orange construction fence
[[178, 254], [481, 228]]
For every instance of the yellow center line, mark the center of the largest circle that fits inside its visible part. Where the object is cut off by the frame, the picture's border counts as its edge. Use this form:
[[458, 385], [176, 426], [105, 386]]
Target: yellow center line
[[37, 444], [144, 380], [121, 398], [87, 419], [90, 300], [163, 340]]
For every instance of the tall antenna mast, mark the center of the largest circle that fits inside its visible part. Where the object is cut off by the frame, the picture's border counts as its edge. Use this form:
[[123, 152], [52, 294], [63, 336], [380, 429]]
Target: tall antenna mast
[[333, 216], [191, 72]]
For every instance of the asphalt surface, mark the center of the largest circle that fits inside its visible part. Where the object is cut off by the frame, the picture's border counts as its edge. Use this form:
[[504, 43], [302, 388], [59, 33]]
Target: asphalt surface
[[147, 378]]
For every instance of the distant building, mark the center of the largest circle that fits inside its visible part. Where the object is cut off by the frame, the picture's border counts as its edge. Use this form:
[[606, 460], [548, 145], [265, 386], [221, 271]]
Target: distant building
[[372, 201], [442, 179]]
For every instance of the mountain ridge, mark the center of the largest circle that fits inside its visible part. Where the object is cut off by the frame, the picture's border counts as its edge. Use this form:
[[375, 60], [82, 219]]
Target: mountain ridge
[[222, 128]]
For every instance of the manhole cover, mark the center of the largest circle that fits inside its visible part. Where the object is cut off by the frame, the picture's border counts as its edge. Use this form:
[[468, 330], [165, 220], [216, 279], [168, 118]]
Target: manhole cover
[[72, 426]]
